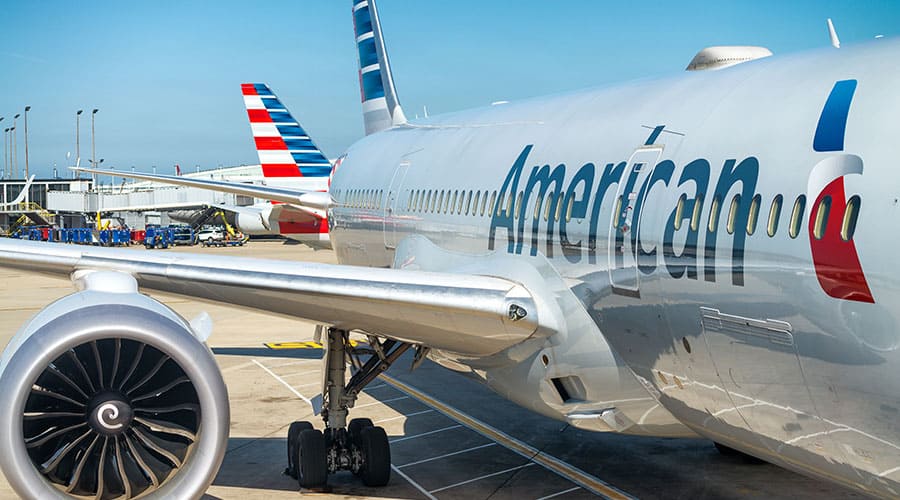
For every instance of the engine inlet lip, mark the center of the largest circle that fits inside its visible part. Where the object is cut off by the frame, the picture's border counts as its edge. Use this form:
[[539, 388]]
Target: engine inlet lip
[[142, 324]]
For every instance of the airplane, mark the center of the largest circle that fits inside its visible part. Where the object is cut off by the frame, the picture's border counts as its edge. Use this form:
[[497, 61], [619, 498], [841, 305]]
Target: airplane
[[706, 254], [290, 161]]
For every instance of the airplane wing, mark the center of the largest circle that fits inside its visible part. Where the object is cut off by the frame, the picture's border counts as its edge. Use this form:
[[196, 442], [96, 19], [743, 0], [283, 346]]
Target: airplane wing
[[467, 314], [313, 201]]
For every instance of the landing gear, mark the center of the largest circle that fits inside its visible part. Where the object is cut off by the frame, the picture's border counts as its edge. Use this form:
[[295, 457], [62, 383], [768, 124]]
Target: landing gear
[[376, 454], [360, 447], [312, 467], [293, 442]]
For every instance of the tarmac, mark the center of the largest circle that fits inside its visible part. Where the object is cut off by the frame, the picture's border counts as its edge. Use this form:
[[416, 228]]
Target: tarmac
[[451, 437]]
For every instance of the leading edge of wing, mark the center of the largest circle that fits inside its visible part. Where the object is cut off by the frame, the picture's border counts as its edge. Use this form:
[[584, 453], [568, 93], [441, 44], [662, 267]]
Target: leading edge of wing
[[466, 314], [283, 195]]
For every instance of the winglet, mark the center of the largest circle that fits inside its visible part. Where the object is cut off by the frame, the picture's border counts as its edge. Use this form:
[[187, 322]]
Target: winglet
[[835, 42], [381, 107], [22, 194]]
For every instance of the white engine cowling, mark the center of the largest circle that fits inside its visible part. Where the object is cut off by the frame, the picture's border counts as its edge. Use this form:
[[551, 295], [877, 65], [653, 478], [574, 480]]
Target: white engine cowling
[[110, 394]]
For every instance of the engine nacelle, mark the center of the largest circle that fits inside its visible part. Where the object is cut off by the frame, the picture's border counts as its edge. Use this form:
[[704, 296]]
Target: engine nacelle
[[255, 219], [109, 393]]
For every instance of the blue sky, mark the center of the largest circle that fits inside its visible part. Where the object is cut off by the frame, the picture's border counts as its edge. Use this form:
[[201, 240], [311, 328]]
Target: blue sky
[[165, 74]]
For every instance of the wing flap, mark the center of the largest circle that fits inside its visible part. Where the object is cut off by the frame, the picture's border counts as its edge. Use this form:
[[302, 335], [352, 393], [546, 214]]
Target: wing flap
[[466, 314]]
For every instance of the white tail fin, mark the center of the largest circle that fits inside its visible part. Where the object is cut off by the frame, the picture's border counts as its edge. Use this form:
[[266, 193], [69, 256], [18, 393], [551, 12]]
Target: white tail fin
[[835, 42], [381, 108]]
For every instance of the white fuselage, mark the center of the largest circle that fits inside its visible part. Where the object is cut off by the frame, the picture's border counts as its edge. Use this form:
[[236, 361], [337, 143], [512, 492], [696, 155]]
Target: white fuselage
[[745, 324]]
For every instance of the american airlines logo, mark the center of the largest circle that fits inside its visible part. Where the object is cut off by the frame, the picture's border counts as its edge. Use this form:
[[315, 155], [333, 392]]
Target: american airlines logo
[[538, 206]]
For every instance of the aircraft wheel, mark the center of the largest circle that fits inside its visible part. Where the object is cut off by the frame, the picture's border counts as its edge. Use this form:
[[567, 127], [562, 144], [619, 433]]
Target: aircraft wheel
[[356, 426], [312, 467], [376, 451], [293, 443]]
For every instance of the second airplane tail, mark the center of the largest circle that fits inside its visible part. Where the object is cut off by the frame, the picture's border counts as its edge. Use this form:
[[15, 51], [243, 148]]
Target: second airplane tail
[[284, 148]]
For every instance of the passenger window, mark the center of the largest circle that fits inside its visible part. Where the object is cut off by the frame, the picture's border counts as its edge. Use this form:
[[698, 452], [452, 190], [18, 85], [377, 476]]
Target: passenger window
[[538, 201], [457, 208], [420, 199], [468, 202], [754, 214], [518, 206], [618, 210], [698, 210], [714, 214], [569, 209], [409, 200], [493, 204], [733, 213], [440, 202], [434, 200], [475, 203], [380, 197], [774, 215], [549, 206], [559, 206], [679, 212], [850, 216], [822, 217], [797, 216], [427, 200]]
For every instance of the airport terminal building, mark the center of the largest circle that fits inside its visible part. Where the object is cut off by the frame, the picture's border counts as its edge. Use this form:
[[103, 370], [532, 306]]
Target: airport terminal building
[[74, 203]]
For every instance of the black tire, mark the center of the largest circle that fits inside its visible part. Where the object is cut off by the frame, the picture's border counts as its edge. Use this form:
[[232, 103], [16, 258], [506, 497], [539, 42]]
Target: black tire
[[293, 443], [376, 453], [356, 426], [312, 467]]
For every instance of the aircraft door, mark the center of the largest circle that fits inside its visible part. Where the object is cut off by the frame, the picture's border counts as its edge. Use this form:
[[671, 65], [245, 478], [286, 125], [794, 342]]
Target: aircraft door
[[625, 222], [390, 219]]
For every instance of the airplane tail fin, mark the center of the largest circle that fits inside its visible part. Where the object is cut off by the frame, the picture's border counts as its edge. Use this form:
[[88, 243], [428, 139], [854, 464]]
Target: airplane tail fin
[[381, 108], [284, 148], [832, 33]]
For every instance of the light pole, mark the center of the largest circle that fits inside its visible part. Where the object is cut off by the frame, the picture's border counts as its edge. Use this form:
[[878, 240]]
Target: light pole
[[4, 148], [78, 138], [93, 157], [27, 109], [15, 150], [6, 145]]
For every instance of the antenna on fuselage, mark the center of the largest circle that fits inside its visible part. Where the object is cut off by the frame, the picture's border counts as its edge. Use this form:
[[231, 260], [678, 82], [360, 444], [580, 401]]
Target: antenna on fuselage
[[835, 41]]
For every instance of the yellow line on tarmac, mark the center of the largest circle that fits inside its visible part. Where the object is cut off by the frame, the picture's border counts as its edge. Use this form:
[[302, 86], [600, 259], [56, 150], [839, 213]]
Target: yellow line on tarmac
[[300, 345], [572, 473]]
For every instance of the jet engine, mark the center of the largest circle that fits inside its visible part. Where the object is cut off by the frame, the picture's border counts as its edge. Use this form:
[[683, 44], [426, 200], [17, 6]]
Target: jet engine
[[110, 394]]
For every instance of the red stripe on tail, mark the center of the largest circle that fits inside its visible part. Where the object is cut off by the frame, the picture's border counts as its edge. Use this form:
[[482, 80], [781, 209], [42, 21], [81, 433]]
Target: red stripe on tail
[[259, 116], [270, 143], [281, 170]]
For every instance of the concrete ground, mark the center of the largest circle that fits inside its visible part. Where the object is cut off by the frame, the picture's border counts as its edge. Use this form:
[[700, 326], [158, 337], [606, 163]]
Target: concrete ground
[[451, 437]]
